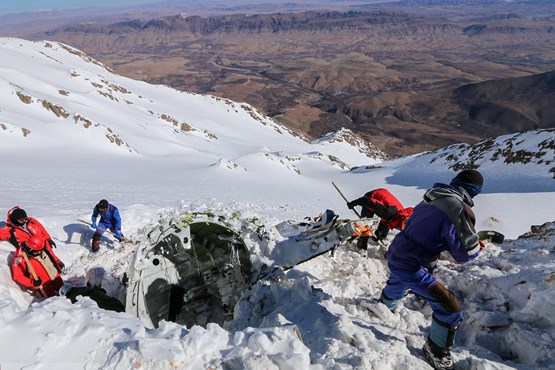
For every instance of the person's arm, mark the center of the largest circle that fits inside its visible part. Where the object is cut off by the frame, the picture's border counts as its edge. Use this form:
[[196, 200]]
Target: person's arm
[[464, 241], [357, 202], [20, 273], [57, 262], [117, 217], [94, 217], [4, 233], [36, 228]]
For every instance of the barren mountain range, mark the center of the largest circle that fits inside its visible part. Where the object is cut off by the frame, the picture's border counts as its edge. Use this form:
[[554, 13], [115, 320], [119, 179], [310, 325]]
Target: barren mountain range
[[405, 78]]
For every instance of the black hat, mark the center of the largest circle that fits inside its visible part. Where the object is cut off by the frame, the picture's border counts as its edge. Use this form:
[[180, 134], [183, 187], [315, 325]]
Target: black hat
[[103, 204], [18, 214], [471, 177]]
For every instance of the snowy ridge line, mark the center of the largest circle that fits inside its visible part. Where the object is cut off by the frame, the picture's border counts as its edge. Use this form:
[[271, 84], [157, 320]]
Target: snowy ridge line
[[85, 102], [537, 147]]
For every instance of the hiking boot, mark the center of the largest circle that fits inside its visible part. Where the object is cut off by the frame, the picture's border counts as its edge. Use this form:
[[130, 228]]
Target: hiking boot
[[95, 246], [439, 358]]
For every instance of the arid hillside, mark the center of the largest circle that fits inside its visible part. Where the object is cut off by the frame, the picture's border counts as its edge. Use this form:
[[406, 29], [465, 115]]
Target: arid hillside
[[398, 76]]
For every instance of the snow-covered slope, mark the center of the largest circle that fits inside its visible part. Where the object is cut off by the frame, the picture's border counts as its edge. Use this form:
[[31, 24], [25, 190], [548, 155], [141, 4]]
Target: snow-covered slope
[[57, 97], [64, 115], [519, 172], [72, 132], [524, 160]]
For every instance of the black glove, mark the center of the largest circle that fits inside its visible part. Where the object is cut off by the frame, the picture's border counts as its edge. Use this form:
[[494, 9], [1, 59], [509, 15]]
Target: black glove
[[357, 202], [61, 267], [37, 282], [51, 242]]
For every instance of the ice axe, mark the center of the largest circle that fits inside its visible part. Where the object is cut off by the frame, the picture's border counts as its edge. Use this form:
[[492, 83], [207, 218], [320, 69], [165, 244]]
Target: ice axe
[[379, 242]]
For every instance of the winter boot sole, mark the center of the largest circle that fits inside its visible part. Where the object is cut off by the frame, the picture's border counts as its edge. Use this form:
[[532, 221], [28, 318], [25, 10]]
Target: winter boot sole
[[440, 363]]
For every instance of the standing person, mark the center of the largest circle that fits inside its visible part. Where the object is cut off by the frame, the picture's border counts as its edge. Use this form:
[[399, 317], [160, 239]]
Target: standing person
[[109, 220], [36, 266], [443, 221], [382, 203], [20, 227]]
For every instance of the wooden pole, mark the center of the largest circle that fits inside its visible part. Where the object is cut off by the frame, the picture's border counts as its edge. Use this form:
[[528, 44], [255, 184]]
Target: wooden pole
[[345, 199], [123, 239], [32, 271]]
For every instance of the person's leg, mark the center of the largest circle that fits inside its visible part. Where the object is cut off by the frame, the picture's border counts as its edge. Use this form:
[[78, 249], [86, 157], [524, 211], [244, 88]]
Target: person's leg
[[447, 312], [446, 319], [95, 246], [112, 228], [394, 290], [440, 340], [442, 336], [382, 231], [362, 242]]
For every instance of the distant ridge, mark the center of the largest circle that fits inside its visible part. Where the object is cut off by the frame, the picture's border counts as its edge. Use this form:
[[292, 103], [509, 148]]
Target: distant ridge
[[386, 74], [517, 104]]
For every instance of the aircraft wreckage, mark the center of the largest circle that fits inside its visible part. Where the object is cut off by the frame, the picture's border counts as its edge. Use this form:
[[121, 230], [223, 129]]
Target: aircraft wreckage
[[193, 268]]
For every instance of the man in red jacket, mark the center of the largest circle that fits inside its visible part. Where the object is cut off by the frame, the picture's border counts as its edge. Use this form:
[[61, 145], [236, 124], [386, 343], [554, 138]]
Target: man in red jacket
[[36, 266], [20, 227], [382, 203]]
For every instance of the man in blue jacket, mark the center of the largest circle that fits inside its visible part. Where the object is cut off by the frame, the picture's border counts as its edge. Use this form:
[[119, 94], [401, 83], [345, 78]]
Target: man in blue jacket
[[109, 220], [443, 221]]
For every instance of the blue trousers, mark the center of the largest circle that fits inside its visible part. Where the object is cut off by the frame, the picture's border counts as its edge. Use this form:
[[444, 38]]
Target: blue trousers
[[420, 282]]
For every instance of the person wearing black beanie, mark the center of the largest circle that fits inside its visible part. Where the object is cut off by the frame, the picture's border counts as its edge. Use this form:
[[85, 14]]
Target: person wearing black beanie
[[102, 205], [18, 216], [442, 222], [20, 227], [110, 219], [470, 180]]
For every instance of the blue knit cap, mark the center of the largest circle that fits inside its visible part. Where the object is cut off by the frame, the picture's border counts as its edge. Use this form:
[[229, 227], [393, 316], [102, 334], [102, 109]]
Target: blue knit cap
[[471, 180]]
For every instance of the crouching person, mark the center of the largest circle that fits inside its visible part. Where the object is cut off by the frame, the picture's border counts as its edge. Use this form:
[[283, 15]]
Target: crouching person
[[35, 266], [110, 220], [382, 203]]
